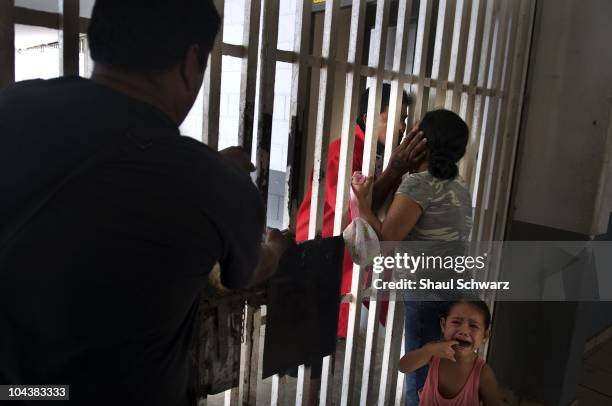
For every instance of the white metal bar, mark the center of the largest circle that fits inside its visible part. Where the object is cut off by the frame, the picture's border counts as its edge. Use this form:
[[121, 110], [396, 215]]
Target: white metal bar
[[297, 114], [490, 115], [347, 144], [352, 335], [267, 77], [397, 85], [212, 87], [399, 390], [484, 73], [69, 37], [515, 119], [279, 391], [322, 134], [369, 163], [324, 119], [250, 345], [512, 78], [420, 56], [303, 386], [249, 356], [249, 73], [393, 341], [394, 327], [442, 51], [351, 99], [297, 109], [481, 14], [7, 42], [459, 53]]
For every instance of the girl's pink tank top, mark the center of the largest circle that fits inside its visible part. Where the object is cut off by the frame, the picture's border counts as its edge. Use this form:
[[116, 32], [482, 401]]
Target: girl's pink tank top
[[429, 395]]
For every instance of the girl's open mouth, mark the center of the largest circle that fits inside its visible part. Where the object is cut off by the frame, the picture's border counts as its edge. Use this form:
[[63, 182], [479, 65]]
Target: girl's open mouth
[[463, 343]]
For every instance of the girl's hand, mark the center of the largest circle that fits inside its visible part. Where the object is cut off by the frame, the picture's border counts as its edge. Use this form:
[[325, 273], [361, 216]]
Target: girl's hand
[[443, 349], [362, 185]]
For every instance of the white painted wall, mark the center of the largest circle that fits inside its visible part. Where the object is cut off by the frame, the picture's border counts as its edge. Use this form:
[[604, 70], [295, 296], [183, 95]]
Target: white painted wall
[[568, 119]]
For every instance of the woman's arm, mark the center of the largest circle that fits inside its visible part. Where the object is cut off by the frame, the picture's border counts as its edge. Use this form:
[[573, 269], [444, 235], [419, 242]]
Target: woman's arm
[[401, 217], [489, 392]]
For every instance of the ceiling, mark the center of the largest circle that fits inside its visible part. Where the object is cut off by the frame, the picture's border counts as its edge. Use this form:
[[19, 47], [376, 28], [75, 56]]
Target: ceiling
[[53, 6], [27, 36]]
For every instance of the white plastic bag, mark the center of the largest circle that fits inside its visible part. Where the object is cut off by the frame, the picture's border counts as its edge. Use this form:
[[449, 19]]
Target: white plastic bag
[[359, 237]]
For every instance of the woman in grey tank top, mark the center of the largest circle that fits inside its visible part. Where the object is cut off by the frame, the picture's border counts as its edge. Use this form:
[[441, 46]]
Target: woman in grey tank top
[[433, 206]]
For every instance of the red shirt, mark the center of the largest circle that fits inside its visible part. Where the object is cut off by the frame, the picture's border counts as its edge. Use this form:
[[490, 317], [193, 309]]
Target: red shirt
[[303, 218]]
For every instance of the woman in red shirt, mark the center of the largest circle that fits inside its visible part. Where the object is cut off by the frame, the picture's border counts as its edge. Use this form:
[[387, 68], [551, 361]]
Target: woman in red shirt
[[386, 182]]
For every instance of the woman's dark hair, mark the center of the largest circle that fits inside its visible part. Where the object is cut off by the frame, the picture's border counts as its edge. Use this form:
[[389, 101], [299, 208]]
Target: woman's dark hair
[[150, 36], [384, 103], [447, 136], [478, 304]]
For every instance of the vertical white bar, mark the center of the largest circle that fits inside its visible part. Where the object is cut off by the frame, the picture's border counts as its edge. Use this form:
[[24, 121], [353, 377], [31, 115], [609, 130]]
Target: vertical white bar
[[322, 134], [420, 57], [393, 341], [502, 22], [511, 79], [399, 390], [323, 124], [69, 37], [250, 345], [397, 84], [347, 143], [369, 162], [297, 109], [297, 114], [459, 54], [351, 99], [482, 12], [485, 75], [248, 73], [279, 391], [249, 356], [442, 52], [7, 42], [303, 386], [212, 87], [346, 158], [522, 60]]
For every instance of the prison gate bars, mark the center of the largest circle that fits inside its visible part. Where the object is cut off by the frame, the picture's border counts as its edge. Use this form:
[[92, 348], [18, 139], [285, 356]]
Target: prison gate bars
[[470, 56]]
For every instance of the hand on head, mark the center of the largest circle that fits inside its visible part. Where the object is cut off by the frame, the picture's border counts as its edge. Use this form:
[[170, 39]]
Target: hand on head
[[411, 152]]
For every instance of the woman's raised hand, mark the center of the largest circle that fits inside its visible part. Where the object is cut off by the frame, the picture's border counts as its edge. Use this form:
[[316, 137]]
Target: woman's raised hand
[[410, 153]]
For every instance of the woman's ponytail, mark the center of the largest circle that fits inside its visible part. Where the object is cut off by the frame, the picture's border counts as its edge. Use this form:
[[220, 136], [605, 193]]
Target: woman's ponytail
[[447, 137]]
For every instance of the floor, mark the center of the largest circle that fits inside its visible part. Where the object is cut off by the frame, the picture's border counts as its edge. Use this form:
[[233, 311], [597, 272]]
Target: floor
[[264, 389], [596, 386]]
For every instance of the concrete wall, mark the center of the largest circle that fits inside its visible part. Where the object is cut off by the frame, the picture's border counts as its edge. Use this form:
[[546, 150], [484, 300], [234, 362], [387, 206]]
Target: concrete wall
[[562, 191], [568, 118]]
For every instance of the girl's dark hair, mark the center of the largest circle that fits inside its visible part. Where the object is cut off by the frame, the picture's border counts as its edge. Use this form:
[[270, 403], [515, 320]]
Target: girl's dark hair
[[384, 103], [478, 304], [447, 136]]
